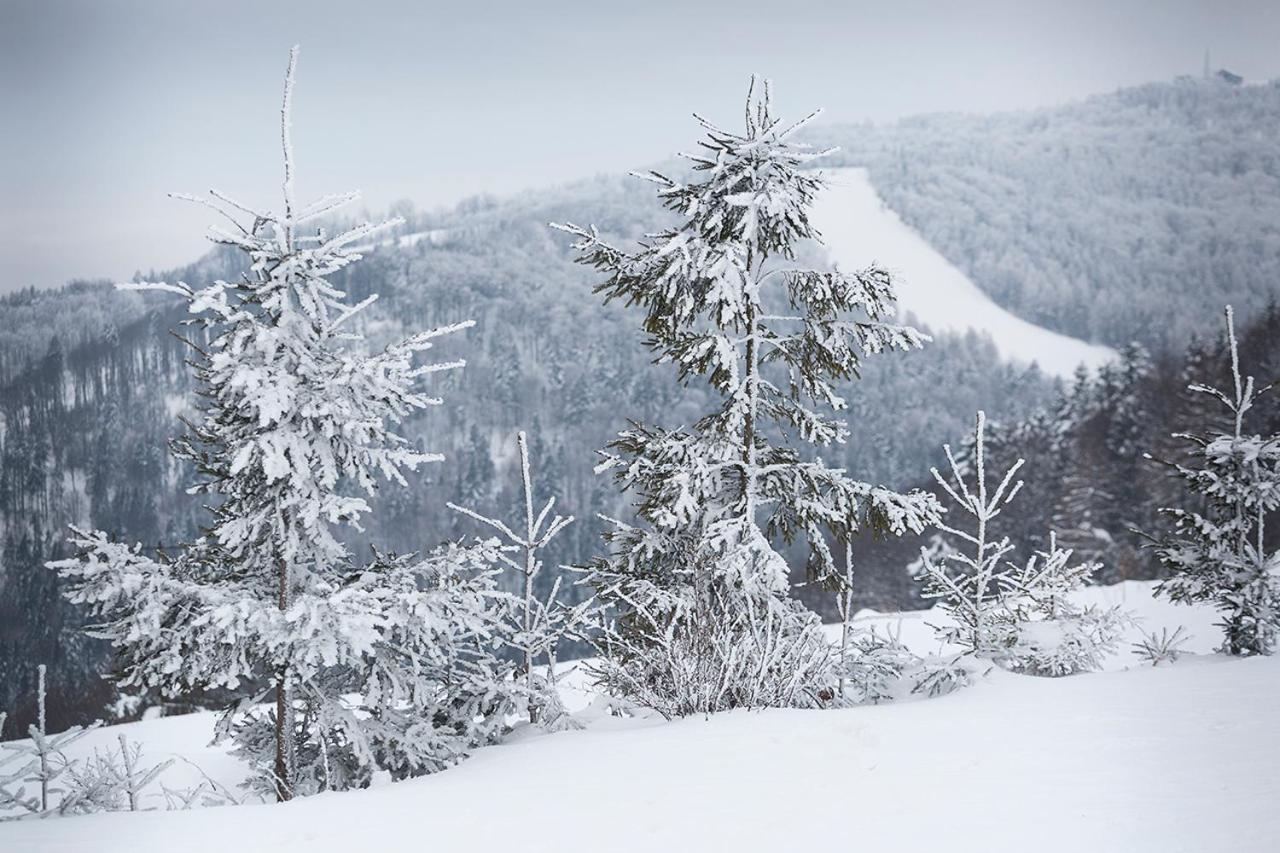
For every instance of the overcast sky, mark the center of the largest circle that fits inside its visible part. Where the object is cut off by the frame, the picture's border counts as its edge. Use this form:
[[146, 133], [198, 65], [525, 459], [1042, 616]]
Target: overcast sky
[[106, 105]]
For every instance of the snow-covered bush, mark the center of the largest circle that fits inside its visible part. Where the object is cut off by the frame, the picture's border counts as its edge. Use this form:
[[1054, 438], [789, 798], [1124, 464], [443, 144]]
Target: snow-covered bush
[[107, 781], [878, 667], [680, 650], [938, 675], [874, 668], [385, 665], [1218, 553], [704, 620], [95, 784], [1049, 634]]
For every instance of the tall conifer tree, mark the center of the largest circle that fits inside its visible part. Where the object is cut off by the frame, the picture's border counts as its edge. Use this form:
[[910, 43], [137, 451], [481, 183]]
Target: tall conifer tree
[[705, 621], [384, 665]]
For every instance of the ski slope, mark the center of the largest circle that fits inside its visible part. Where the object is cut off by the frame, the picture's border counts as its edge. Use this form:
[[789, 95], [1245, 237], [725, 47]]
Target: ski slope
[[1176, 758], [859, 229]]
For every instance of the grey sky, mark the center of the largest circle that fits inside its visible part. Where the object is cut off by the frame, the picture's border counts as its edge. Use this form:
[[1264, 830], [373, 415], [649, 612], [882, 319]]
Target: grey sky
[[108, 104]]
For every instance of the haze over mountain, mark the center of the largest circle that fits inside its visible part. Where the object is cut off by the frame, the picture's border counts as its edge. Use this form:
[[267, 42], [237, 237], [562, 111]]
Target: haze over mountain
[[120, 103]]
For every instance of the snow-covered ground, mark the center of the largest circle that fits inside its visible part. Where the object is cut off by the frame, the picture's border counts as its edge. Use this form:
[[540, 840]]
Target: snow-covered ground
[[860, 229], [1177, 758]]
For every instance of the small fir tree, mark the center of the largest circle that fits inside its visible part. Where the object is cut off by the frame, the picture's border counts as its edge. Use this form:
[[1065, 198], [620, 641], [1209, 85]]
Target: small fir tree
[[543, 622], [1048, 632], [1021, 617], [704, 619], [970, 578], [1218, 554], [39, 761]]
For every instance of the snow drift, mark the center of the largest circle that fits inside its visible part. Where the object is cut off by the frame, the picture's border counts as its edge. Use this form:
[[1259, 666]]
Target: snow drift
[[1176, 758]]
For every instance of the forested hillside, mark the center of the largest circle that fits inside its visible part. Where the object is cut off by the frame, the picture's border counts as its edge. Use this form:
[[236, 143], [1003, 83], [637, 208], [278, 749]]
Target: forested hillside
[[1127, 216]]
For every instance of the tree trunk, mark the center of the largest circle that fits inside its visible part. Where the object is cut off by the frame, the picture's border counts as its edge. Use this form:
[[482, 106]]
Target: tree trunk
[[530, 568], [284, 713], [749, 419], [44, 753]]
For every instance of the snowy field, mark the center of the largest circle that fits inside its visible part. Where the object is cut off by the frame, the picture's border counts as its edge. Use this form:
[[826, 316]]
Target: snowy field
[[1180, 758], [859, 229]]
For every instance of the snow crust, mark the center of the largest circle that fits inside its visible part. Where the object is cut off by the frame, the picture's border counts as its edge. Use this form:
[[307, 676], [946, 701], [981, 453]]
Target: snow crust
[[1176, 758], [859, 228]]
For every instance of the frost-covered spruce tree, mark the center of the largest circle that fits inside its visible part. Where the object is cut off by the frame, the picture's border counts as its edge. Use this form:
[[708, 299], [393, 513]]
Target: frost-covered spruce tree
[[1219, 554], [543, 622], [704, 621], [969, 579], [385, 665], [1020, 616], [1049, 633]]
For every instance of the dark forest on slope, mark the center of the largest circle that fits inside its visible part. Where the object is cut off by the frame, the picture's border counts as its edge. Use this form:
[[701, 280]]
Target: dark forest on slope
[[92, 383]]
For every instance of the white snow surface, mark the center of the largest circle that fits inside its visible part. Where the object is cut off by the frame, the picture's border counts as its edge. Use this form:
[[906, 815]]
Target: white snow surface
[[860, 229], [1183, 757]]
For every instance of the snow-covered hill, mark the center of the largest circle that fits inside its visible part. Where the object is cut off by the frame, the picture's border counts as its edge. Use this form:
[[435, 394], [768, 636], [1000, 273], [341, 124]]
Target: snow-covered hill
[[1179, 758], [859, 229]]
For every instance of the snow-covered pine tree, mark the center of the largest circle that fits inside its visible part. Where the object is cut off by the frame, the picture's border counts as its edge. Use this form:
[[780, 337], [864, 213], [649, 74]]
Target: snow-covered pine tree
[[38, 761], [543, 622], [970, 580], [1021, 617], [386, 665], [704, 618], [1219, 554]]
